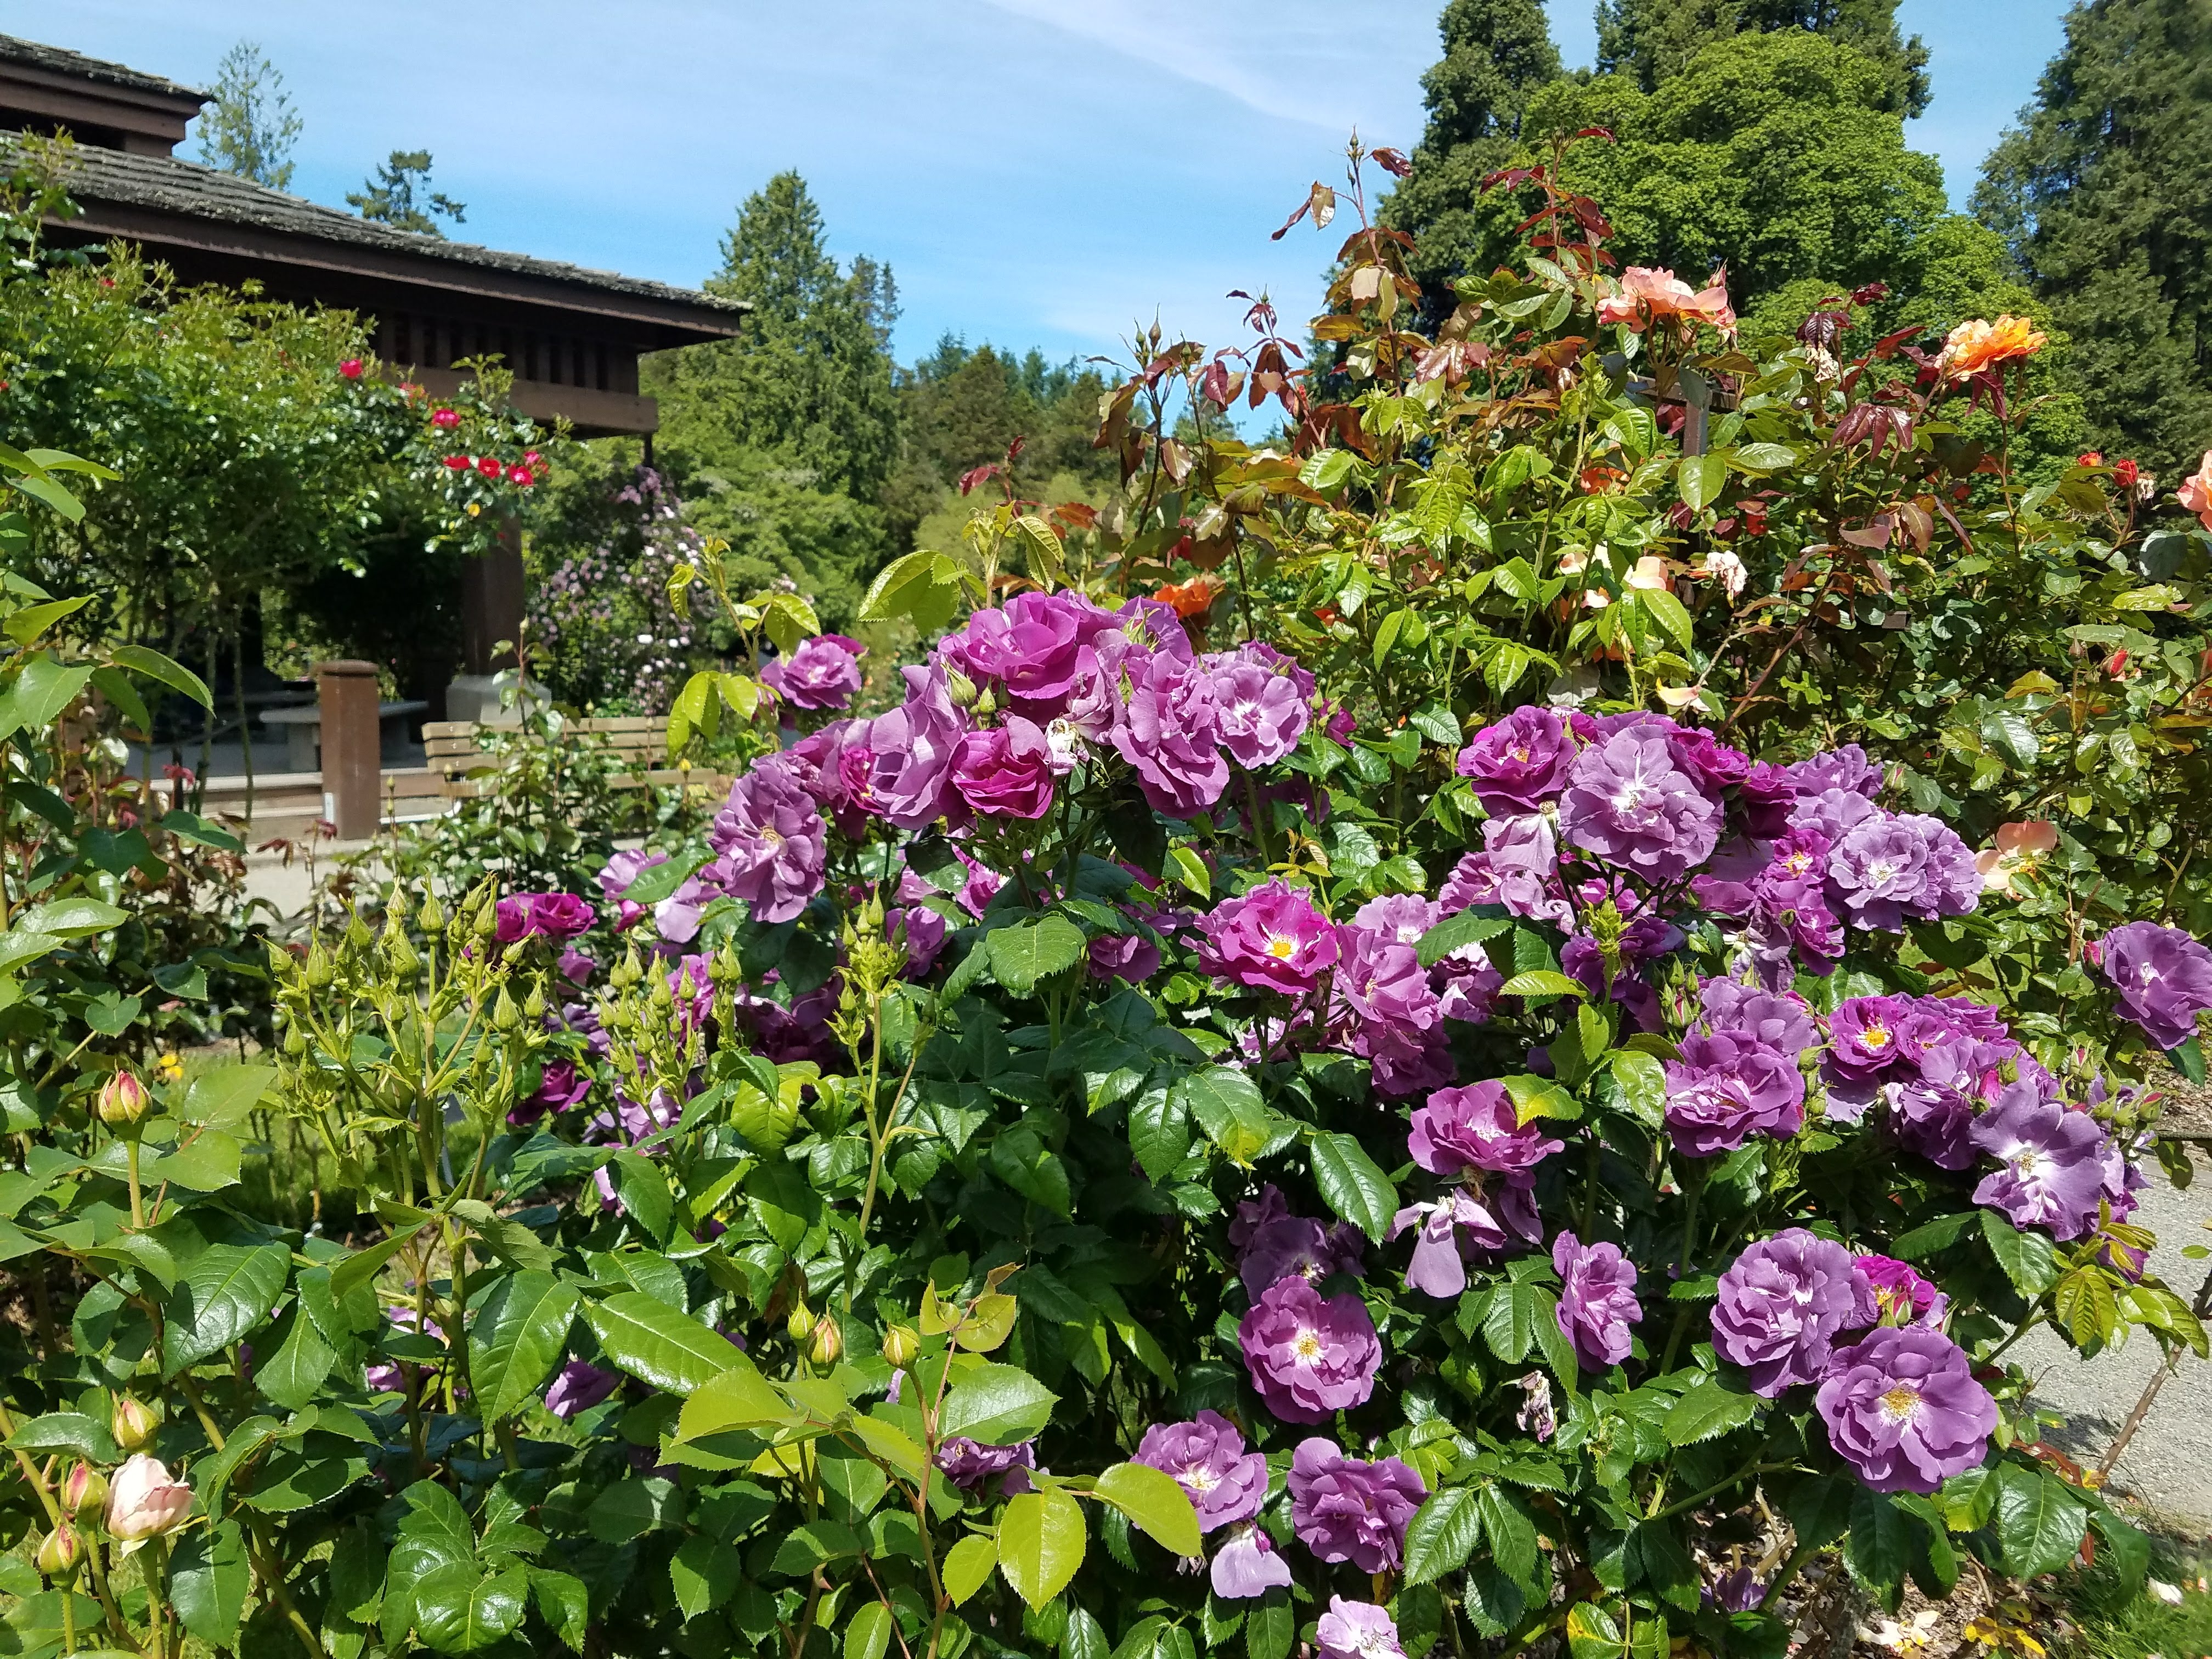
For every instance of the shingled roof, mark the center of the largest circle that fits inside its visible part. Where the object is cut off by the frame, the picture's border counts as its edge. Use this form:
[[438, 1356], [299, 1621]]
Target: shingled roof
[[34, 54], [165, 184]]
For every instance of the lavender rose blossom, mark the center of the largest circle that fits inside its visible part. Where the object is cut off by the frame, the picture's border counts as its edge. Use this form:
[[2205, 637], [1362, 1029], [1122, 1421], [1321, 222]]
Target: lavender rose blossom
[[1477, 1126], [1726, 1088], [2163, 977], [771, 840], [1357, 1630], [1781, 1306], [1597, 1299], [578, 1388], [2052, 1169], [1630, 804], [1345, 1510], [968, 1464], [1308, 1358], [1904, 1410], [1006, 772], [1270, 939], [824, 672], [1520, 764], [1207, 1456]]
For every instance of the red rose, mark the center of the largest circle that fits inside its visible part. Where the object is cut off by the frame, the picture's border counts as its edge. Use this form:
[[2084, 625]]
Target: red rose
[[351, 369], [2125, 473], [459, 463], [521, 475], [489, 466], [446, 417]]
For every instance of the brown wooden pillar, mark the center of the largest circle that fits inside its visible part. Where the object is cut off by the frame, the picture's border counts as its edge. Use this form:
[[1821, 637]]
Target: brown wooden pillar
[[492, 592], [352, 751]]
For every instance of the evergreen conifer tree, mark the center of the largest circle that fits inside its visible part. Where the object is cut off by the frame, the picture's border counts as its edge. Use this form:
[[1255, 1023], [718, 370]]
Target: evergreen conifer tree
[[2104, 192], [1650, 40], [249, 126]]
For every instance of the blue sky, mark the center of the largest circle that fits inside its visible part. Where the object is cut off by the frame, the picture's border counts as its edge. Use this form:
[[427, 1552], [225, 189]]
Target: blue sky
[[1036, 172]]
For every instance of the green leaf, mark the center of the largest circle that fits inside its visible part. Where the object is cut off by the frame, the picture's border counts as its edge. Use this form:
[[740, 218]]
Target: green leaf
[[1708, 1410], [295, 1372], [458, 1611], [967, 1565], [1227, 1105], [633, 1507], [1041, 1544], [227, 1290], [223, 1096], [1190, 870], [1593, 1633], [1701, 478], [1159, 1131], [34, 620], [997, 1404], [2188, 1060], [1937, 1235], [1271, 1625], [42, 691], [869, 1631], [1880, 1544], [1155, 1501], [154, 667], [71, 918], [703, 1573], [2027, 1258], [516, 1339], [1024, 954], [69, 1434], [1511, 1530], [191, 827], [2040, 1522], [1353, 1187], [563, 1603], [1669, 612], [1542, 982], [1820, 1509], [1510, 1324], [1443, 1533], [510, 1240], [207, 1579], [659, 1347], [924, 586], [362, 1266]]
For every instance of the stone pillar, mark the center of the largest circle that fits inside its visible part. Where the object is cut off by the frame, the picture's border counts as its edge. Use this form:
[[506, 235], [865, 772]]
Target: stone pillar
[[352, 751]]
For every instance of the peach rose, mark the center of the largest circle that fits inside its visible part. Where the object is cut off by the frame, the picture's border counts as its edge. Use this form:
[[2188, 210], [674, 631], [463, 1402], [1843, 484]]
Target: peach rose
[[2195, 491], [143, 1502], [2019, 849], [1648, 294]]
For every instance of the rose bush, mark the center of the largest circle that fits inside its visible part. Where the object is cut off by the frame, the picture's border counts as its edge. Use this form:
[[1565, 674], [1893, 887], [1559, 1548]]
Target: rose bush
[[1320, 1116]]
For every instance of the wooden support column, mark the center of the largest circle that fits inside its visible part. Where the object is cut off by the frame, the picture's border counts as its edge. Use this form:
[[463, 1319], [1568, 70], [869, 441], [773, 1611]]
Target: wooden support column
[[492, 592], [352, 750]]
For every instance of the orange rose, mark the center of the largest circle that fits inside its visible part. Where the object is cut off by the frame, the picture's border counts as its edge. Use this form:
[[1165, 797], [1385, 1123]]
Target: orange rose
[[1648, 294], [1192, 598], [1976, 346], [2195, 491]]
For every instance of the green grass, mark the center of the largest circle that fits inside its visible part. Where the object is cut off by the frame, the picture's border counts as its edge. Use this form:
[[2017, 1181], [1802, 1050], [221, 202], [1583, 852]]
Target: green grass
[[2111, 1625]]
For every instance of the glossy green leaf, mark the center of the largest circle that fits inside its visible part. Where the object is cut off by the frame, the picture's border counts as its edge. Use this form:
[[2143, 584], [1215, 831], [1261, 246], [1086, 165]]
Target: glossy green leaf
[[657, 1344], [996, 1405], [227, 1290], [209, 1575], [1041, 1544], [1443, 1533], [2040, 1522], [517, 1339], [1156, 1502], [967, 1565], [1028, 953], [1353, 1186]]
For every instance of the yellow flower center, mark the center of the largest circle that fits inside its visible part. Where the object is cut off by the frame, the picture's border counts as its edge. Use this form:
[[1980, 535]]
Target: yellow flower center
[[1901, 1404], [1307, 1346], [1281, 947], [1876, 1037]]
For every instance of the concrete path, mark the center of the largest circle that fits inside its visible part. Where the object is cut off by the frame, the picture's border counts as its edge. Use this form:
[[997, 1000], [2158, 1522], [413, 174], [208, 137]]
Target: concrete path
[[2169, 1462]]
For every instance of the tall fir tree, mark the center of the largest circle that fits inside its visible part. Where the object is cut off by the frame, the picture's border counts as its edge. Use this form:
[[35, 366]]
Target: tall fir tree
[[249, 126], [2104, 192], [1497, 54], [808, 381], [1651, 40]]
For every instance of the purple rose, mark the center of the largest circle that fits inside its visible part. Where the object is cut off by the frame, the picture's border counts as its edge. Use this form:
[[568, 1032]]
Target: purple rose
[[1345, 1510], [1402, 916], [1933, 1113], [1892, 1293], [969, 1465], [1170, 733], [1644, 940], [578, 1388], [621, 870], [1904, 1410], [1520, 764], [771, 841], [560, 1087], [1887, 869], [1382, 987], [1130, 957], [1296, 1246], [1246, 1565], [923, 931], [1263, 712], [1308, 1358], [2051, 1169], [1006, 772], [1726, 1088], [1207, 1456], [1270, 939], [1781, 1021], [1846, 768], [1781, 1304], [901, 769], [1485, 1213], [1597, 1299], [1713, 765], [2163, 977], [1518, 868], [1033, 646], [1357, 1630], [1628, 803], [558, 917], [824, 672], [1477, 1126]]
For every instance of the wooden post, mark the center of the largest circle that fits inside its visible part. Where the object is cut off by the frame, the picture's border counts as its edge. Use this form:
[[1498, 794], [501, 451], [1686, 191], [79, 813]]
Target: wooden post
[[492, 595], [352, 750]]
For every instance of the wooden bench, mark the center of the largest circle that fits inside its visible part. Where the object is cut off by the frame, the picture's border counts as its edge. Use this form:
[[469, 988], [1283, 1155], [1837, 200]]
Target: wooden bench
[[460, 753]]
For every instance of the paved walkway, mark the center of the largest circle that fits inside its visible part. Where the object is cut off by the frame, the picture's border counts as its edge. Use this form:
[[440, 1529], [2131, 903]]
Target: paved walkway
[[2169, 1462]]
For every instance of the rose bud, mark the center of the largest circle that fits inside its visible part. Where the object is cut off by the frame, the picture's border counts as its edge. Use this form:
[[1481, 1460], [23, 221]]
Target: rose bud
[[84, 1488], [800, 1325], [901, 1345], [828, 1341], [123, 1101], [143, 1502], [132, 1423], [61, 1557]]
